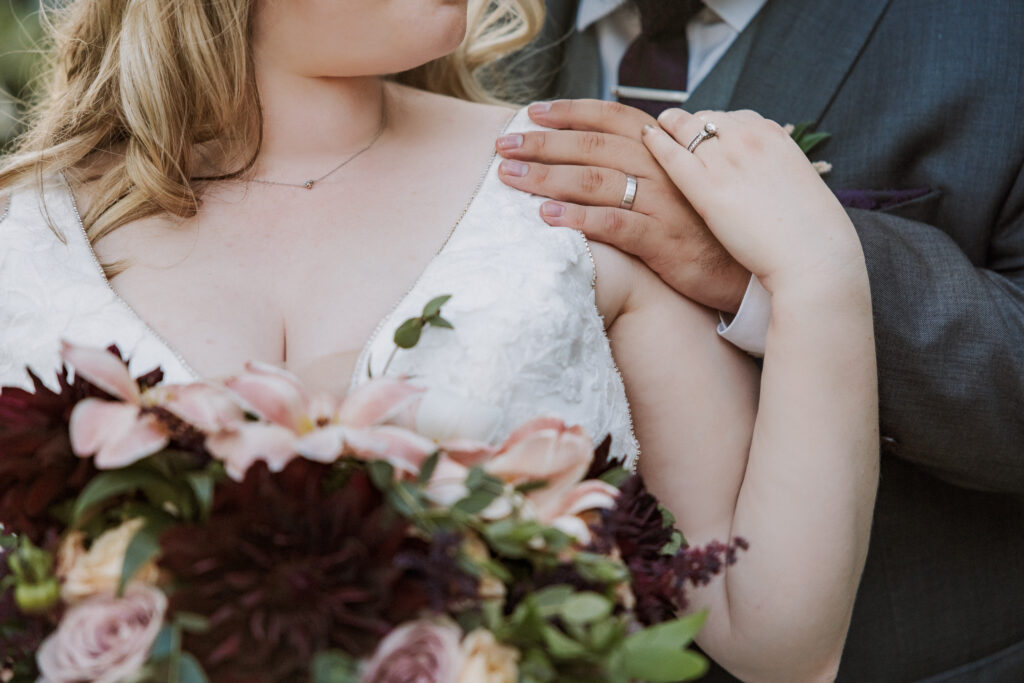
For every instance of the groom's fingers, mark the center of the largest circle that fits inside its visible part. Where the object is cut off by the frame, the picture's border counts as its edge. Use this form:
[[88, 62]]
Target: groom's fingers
[[591, 185], [591, 115], [628, 231], [583, 148]]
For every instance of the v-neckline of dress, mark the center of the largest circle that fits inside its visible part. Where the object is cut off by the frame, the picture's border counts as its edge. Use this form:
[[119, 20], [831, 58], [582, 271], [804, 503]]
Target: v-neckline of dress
[[81, 234]]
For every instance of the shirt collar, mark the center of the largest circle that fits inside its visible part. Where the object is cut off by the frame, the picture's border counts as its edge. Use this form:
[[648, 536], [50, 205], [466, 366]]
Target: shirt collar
[[736, 13]]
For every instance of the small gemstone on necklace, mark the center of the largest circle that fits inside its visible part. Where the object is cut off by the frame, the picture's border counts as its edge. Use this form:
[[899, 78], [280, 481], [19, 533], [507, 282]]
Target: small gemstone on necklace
[[309, 184]]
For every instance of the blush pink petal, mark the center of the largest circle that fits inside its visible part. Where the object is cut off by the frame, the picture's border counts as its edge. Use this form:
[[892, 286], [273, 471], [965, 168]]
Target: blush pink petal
[[142, 439], [447, 485], [102, 369], [205, 407], [381, 400], [113, 432], [238, 448], [405, 450], [272, 394], [573, 526], [468, 452], [591, 494], [550, 452], [322, 445]]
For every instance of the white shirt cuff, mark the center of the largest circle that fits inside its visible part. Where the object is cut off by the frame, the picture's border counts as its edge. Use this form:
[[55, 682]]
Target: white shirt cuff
[[749, 327]]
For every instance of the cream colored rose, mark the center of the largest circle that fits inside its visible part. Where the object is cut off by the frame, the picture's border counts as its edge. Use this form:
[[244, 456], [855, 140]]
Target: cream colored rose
[[98, 570], [485, 660]]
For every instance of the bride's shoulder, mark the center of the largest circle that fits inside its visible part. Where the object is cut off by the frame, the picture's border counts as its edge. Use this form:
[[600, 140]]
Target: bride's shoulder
[[466, 123]]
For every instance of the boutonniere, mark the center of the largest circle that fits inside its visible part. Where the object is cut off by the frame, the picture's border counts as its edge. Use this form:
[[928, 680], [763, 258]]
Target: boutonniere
[[808, 139]]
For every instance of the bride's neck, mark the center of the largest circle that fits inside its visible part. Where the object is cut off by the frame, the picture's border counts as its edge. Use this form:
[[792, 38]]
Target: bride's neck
[[309, 123]]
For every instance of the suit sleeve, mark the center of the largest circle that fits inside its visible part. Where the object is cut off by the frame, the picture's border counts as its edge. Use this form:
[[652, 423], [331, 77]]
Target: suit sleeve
[[950, 340]]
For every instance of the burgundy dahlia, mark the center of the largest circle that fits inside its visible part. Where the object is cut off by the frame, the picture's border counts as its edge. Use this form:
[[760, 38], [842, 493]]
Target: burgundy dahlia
[[285, 567], [637, 528], [37, 467]]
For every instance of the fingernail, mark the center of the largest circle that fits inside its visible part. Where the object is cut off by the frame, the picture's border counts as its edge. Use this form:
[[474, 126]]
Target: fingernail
[[552, 210], [510, 141], [648, 128], [540, 107], [514, 168]]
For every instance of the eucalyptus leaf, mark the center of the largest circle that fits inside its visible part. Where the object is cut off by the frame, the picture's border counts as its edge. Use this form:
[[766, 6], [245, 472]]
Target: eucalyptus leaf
[[586, 608], [428, 467], [163, 643], [438, 321], [475, 502], [190, 671], [334, 666], [382, 474], [661, 665], [535, 666], [113, 483], [812, 140], [550, 600], [799, 130], [561, 646], [144, 546], [191, 622], [433, 306], [408, 333], [201, 484], [616, 476], [604, 634]]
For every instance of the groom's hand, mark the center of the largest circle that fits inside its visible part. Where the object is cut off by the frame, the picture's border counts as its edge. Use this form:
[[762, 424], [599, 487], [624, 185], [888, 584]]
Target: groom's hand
[[582, 166]]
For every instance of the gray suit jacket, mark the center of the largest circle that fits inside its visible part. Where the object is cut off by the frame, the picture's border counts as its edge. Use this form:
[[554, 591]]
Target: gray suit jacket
[[927, 95]]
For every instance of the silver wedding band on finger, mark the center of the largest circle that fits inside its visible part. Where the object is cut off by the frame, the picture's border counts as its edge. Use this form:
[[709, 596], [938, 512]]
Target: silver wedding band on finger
[[709, 131], [630, 194]]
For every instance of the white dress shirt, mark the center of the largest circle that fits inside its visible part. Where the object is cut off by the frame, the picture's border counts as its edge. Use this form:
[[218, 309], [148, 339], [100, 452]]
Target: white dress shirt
[[709, 35]]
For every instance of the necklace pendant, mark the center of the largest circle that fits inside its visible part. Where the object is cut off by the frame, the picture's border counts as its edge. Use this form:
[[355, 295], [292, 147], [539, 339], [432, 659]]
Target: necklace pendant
[[309, 184]]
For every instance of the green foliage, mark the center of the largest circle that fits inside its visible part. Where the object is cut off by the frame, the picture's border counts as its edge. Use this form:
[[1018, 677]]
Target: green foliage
[[20, 35], [408, 333], [334, 666], [806, 138]]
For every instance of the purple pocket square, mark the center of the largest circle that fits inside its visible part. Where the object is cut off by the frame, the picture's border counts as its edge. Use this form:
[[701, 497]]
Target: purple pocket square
[[878, 200]]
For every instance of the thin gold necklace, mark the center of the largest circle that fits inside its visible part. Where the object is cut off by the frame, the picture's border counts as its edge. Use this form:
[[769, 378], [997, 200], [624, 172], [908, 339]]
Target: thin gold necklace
[[309, 184]]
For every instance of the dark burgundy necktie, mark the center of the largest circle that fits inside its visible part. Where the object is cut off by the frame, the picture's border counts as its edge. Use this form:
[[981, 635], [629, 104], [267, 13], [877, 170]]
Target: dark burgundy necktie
[[659, 57]]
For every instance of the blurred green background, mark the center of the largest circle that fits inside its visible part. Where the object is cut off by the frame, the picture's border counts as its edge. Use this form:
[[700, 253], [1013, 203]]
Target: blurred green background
[[20, 34]]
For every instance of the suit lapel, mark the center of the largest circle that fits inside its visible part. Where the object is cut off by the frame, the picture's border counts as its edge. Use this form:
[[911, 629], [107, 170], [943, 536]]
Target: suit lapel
[[799, 55]]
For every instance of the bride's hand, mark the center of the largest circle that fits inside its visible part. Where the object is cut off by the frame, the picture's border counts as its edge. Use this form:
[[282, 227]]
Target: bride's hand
[[758, 194]]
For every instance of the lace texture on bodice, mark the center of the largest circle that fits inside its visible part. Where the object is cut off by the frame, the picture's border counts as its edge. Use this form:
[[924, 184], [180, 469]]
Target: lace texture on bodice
[[528, 339], [53, 288]]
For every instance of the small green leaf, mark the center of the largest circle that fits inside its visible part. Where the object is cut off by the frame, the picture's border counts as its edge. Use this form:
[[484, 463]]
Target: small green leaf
[[673, 546], [664, 665], [334, 666], [202, 488], [163, 643], [586, 608], [144, 546], [382, 474], [799, 130], [408, 333], [669, 638], [550, 600], [433, 306], [428, 467], [528, 486], [190, 670], [812, 140], [606, 633], [475, 502], [112, 483], [561, 646], [616, 476], [438, 321], [191, 622]]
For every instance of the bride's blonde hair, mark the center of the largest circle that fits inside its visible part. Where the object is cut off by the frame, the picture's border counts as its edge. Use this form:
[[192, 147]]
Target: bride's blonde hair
[[146, 94]]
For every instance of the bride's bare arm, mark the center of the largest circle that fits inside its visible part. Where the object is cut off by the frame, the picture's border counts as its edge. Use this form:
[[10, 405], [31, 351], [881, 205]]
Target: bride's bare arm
[[794, 475]]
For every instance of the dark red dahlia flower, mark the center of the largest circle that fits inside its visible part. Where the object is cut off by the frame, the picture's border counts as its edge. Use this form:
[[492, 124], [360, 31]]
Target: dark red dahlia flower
[[37, 466], [286, 567]]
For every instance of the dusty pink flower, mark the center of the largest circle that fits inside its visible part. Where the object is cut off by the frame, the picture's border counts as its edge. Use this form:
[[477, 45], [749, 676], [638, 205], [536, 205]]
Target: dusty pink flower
[[421, 651], [121, 432], [104, 638]]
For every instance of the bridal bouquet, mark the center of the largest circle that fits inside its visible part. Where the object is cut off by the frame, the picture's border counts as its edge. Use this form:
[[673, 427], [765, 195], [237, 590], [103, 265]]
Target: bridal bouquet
[[251, 530]]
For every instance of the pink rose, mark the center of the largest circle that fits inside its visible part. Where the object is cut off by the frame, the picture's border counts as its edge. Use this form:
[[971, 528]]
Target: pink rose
[[104, 638], [422, 651]]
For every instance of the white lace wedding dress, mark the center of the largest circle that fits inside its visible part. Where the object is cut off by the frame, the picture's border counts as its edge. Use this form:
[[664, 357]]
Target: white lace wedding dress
[[528, 339]]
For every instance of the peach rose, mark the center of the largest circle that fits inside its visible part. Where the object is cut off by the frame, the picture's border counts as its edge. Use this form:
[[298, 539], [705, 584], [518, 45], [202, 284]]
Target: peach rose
[[98, 570], [485, 660], [104, 639]]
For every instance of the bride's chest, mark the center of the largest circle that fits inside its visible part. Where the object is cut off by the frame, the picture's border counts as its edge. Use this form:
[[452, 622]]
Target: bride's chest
[[303, 289]]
